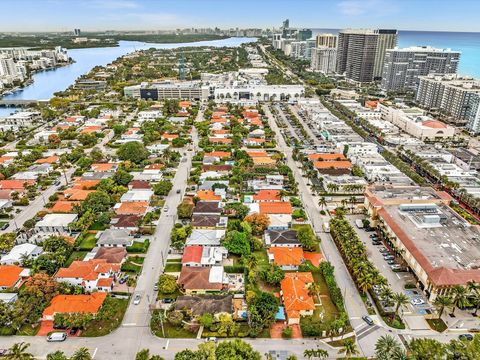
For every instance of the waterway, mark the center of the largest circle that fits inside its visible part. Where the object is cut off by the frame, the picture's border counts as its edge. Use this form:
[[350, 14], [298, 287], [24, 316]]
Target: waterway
[[46, 83]]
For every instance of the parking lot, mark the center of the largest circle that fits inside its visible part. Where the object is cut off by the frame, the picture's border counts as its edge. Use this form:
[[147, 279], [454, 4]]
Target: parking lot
[[396, 280]]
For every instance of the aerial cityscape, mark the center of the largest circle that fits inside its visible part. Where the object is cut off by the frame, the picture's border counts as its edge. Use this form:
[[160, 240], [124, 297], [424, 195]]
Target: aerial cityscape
[[219, 180]]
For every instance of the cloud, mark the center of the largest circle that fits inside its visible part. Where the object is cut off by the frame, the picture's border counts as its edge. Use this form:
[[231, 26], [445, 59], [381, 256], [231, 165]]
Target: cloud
[[361, 7], [113, 4]]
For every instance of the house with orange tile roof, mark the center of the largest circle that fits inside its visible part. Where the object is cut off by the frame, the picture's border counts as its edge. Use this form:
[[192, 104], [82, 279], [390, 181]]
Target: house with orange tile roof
[[5, 160], [131, 208], [85, 184], [208, 195], [280, 207], [48, 160], [333, 167], [15, 185], [169, 137], [221, 133], [91, 129], [267, 196], [70, 304], [62, 206], [288, 258], [77, 194], [327, 157], [295, 296], [104, 167], [92, 275], [255, 121], [265, 161], [257, 153], [219, 154], [11, 276]]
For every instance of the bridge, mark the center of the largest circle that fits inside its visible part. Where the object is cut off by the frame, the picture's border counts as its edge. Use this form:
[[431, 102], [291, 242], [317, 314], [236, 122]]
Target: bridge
[[21, 102]]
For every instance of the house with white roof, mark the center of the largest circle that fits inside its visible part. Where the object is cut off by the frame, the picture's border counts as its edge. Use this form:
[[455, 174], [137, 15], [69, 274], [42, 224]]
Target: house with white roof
[[20, 253]]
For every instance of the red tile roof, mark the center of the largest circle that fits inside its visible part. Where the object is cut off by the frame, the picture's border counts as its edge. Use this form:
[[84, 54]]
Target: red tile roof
[[295, 293], [192, 254], [220, 154], [87, 270], [208, 195], [90, 304], [15, 184], [133, 207], [220, 140], [267, 195], [281, 207], [48, 160], [332, 164], [327, 157], [9, 275], [63, 206], [287, 256], [197, 278]]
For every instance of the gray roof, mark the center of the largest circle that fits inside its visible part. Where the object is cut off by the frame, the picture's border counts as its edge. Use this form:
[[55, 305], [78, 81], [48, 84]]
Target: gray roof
[[281, 237], [203, 304], [115, 237], [207, 184], [205, 237]]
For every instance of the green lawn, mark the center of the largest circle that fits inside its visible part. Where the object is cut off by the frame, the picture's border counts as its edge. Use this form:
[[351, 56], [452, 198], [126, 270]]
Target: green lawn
[[136, 259], [437, 324], [262, 257], [173, 267], [174, 260], [127, 266], [138, 247], [98, 226], [87, 242], [76, 255], [27, 330], [110, 318]]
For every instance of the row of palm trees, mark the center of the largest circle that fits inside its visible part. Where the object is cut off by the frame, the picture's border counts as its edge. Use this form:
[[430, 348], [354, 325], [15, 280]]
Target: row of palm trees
[[397, 299], [365, 274], [349, 348], [459, 297], [19, 351]]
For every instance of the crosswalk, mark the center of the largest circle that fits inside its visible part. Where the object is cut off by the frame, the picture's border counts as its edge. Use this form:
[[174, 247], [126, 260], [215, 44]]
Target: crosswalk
[[364, 330]]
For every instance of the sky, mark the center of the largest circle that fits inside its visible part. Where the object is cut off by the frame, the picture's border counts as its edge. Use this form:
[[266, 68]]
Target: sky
[[98, 15]]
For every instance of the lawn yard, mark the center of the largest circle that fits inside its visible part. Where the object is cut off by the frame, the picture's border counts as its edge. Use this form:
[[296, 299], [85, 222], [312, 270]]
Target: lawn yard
[[437, 324], [28, 330], [87, 242], [138, 247], [98, 226], [109, 318], [262, 257], [170, 330], [173, 267]]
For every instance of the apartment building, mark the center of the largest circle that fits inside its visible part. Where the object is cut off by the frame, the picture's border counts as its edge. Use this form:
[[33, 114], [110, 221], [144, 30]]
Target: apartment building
[[456, 97], [323, 59], [403, 67], [193, 90]]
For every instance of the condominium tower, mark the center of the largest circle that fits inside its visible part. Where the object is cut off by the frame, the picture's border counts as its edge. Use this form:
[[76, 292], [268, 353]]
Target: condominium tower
[[361, 52], [328, 40], [403, 67]]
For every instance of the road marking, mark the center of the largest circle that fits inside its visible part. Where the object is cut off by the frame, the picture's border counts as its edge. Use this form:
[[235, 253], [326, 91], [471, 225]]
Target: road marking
[[398, 276], [130, 324], [368, 332], [94, 353], [166, 345]]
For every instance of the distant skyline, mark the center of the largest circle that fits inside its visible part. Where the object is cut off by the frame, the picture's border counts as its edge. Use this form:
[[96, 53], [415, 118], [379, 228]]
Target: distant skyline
[[99, 15]]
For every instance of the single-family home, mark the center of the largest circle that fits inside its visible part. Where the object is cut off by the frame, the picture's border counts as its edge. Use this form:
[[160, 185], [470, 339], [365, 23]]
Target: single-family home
[[56, 223], [131, 208], [12, 276], [201, 221], [137, 195], [215, 305], [126, 222], [73, 304], [205, 237], [197, 280], [112, 255], [296, 297], [281, 238], [288, 258], [197, 255], [207, 208], [21, 252], [92, 275], [114, 238]]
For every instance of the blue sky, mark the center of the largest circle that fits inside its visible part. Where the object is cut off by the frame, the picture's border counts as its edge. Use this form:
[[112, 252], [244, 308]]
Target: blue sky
[[64, 15]]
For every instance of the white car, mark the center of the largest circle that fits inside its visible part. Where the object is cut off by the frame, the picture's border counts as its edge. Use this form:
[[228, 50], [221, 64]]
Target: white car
[[136, 299], [417, 301]]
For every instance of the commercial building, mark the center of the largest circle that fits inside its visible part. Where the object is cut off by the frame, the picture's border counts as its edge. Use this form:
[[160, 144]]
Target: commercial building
[[323, 59], [414, 122], [441, 249], [403, 67], [258, 92], [457, 97], [360, 53], [192, 90]]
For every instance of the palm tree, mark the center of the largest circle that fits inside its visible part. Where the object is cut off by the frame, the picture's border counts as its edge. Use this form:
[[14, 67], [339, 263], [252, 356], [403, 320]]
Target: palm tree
[[441, 302], [353, 200], [386, 295], [322, 202], [475, 301], [386, 346], [81, 354], [349, 348], [57, 355], [459, 297], [314, 290], [315, 353], [399, 299], [18, 351]]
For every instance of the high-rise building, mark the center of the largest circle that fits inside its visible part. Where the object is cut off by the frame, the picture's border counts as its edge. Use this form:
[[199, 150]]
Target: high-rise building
[[304, 34], [403, 67], [7, 66], [76, 32], [457, 97], [361, 51], [286, 24], [387, 39], [323, 59], [328, 40]]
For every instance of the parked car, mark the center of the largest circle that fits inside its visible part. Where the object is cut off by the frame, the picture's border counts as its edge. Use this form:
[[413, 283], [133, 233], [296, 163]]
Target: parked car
[[3, 352], [57, 183], [211, 338], [57, 336], [73, 330], [179, 191], [167, 300], [468, 337], [155, 287], [59, 327], [388, 257], [384, 250], [123, 280], [137, 236], [166, 208], [368, 320], [376, 243], [373, 236], [136, 299], [395, 267], [417, 301], [5, 226], [391, 262]]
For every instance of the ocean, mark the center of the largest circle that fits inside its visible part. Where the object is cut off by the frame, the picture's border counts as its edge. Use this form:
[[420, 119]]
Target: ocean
[[468, 43]]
